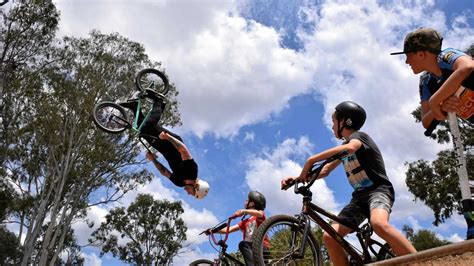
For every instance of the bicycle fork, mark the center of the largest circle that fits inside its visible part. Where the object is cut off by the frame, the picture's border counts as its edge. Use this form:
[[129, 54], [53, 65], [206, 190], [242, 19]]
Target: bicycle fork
[[303, 219]]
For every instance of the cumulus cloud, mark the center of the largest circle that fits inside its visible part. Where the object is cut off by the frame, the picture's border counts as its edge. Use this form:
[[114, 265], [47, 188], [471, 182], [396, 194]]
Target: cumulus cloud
[[91, 259], [230, 71], [266, 171]]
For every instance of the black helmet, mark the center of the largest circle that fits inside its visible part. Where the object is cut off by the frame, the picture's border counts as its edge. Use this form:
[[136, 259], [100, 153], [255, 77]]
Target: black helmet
[[258, 200], [353, 114]]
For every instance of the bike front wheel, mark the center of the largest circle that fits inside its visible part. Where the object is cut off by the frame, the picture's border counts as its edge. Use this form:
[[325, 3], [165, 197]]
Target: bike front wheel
[[201, 262], [110, 117], [152, 79], [284, 234]]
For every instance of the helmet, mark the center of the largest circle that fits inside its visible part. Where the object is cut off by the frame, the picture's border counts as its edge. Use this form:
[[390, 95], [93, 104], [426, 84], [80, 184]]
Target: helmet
[[353, 114], [202, 188], [258, 199]]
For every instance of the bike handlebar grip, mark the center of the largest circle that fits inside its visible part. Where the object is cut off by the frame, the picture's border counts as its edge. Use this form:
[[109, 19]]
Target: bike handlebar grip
[[431, 127], [289, 184]]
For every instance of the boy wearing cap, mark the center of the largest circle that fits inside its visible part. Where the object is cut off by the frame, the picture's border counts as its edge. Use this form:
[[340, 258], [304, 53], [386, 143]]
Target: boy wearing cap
[[445, 71]]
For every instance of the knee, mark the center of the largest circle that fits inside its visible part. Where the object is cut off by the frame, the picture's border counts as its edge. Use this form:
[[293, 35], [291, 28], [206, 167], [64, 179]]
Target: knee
[[380, 227]]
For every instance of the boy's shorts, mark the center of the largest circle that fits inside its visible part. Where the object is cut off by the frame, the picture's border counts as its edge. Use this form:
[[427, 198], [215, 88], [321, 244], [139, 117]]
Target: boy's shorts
[[361, 204]]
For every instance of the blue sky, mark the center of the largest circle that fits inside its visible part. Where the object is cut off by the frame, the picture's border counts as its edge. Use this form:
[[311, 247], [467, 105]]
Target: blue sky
[[258, 81]]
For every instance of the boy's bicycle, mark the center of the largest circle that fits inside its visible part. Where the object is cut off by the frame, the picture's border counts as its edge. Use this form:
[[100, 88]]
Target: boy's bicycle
[[291, 240], [112, 118], [224, 258]]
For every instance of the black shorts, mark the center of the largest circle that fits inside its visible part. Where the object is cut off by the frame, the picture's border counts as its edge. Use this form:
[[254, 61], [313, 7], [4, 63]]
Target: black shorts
[[361, 204]]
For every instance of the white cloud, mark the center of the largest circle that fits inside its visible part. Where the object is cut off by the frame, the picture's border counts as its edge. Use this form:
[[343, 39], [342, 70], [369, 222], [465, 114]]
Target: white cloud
[[455, 238], [91, 259], [234, 75], [190, 256], [268, 169], [230, 72], [82, 231], [249, 136]]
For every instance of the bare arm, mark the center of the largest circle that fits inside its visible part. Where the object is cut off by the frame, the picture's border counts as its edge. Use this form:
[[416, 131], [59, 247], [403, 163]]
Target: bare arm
[[182, 149], [231, 229], [163, 170], [449, 105], [327, 169], [463, 67], [350, 148], [253, 212], [426, 114]]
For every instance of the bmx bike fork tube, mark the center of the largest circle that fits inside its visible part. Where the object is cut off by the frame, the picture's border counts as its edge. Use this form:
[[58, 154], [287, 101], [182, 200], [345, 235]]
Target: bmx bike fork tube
[[467, 203], [306, 231], [137, 115], [366, 245], [144, 121]]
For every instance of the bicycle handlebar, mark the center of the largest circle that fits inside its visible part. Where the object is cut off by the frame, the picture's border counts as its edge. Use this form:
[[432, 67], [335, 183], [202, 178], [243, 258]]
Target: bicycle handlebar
[[220, 226], [314, 172], [431, 127]]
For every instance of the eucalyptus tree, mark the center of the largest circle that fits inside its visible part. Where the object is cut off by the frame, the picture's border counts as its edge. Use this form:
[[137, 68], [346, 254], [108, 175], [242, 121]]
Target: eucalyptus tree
[[57, 161], [148, 232]]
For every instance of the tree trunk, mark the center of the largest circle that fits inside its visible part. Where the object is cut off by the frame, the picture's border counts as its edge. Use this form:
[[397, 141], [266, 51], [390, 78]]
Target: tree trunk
[[63, 169], [36, 223]]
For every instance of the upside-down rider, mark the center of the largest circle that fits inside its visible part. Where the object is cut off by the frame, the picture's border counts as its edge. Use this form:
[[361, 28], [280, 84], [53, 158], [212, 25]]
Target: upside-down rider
[[184, 170]]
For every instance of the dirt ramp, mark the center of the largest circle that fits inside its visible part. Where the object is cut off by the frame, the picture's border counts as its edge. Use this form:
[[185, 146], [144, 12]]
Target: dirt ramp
[[461, 253]]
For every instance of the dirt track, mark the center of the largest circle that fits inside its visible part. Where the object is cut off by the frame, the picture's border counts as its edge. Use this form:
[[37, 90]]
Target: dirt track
[[455, 254], [460, 259]]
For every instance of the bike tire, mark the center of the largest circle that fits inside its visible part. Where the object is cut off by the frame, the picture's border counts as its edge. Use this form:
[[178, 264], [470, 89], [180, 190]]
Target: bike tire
[[153, 79], [201, 262], [110, 117], [281, 252]]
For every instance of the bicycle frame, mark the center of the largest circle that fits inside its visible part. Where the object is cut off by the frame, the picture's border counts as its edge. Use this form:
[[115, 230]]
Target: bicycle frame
[[223, 255], [313, 211], [136, 128]]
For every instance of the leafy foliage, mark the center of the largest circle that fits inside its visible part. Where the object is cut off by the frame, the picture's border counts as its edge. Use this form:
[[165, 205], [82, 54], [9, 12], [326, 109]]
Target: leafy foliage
[[423, 239], [10, 248], [149, 231]]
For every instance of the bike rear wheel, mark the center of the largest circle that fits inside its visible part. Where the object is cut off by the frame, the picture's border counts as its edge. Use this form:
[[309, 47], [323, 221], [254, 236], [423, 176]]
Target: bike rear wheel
[[110, 117], [285, 234], [201, 262], [153, 79]]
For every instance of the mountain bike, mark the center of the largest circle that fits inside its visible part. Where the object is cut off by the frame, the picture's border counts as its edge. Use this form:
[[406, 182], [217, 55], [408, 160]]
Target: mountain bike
[[291, 240], [112, 118], [224, 258]]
